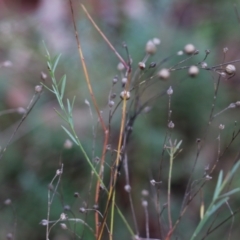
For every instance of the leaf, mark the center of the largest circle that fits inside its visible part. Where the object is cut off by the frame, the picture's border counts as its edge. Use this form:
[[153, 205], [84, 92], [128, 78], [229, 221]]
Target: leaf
[[47, 52], [230, 193], [63, 79], [218, 186], [215, 207], [47, 88], [70, 135], [55, 62], [58, 97], [69, 107], [49, 66], [178, 145], [230, 175]]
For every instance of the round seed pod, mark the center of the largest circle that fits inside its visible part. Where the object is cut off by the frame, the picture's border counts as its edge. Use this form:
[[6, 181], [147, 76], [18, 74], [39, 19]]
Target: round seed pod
[[150, 47], [38, 88], [125, 95], [221, 126], [193, 71], [230, 69], [124, 80], [120, 66], [115, 79], [164, 74], [171, 124], [111, 103], [189, 49], [141, 65]]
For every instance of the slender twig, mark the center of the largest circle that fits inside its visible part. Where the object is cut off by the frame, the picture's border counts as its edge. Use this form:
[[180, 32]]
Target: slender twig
[[169, 191], [129, 191], [50, 199], [145, 206], [106, 132], [105, 38], [31, 105], [220, 224]]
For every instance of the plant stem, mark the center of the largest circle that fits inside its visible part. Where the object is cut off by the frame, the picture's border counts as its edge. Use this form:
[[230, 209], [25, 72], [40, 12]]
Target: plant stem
[[169, 189]]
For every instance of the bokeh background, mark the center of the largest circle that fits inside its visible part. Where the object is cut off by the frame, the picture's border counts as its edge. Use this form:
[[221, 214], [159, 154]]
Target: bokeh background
[[37, 149]]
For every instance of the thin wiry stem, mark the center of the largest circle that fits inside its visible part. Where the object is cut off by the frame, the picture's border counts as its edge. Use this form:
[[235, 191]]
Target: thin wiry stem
[[124, 109], [93, 155], [105, 38], [145, 204], [188, 188], [96, 108], [220, 224], [14, 110], [169, 191], [50, 199], [85, 68], [129, 192], [30, 107]]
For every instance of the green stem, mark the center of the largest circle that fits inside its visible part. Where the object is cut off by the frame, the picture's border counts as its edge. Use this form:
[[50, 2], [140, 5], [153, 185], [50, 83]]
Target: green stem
[[169, 189]]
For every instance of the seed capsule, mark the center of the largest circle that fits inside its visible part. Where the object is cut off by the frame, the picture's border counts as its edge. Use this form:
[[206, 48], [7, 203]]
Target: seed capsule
[[125, 95], [141, 65], [230, 69], [193, 71], [164, 74], [150, 47], [189, 49]]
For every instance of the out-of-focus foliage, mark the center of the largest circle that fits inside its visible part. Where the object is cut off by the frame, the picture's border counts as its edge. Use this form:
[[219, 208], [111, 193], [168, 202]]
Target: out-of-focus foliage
[[37, 149]]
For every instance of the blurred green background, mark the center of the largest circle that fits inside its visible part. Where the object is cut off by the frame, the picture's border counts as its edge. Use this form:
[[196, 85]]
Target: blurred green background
[[31, 160]]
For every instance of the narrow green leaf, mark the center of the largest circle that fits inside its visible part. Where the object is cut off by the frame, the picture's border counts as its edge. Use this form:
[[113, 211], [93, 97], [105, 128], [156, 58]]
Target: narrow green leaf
[[208, 214], [49, 66], [60, 115], [179, 144], [47, 88], [230, 193], [230, 175], [218, 186], [70, 135], [215, 207], [69, 107], [55, 90], [57, 95], [235, 167], [125, 221], [73, 101], [60, 81], [47, 52], [63, 86], [55, 62]]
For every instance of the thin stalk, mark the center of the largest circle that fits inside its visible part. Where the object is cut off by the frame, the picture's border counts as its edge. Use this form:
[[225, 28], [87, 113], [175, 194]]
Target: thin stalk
[[85, 69], [30, 107], [115, 173], [145, 204], [104, 37], [169, 190], [112, 188], [95, 105], [112, 216]]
